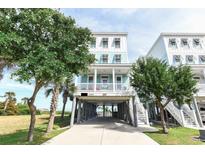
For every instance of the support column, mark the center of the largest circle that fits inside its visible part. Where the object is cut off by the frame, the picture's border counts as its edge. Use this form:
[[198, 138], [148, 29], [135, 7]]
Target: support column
[[95, 79], [198, 115], [134, 112], [131, 113], [73, 112], [113, 79], [103, 110], [79, 112], [112, 110]]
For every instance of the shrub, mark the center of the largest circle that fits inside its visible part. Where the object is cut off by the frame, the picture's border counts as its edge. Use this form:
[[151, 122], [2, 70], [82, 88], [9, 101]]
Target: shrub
[[24, 109], [10, 110]]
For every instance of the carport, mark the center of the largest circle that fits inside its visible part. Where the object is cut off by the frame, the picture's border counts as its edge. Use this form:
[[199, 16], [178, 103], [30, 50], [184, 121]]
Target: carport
[[90, 107]]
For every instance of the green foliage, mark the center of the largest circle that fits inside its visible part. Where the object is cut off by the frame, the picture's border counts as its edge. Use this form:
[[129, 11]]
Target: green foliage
[[24, 110], [11, 108], [154, 81]]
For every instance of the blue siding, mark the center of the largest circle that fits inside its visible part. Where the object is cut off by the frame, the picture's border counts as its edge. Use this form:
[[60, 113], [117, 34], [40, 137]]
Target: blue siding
[[111, 56]]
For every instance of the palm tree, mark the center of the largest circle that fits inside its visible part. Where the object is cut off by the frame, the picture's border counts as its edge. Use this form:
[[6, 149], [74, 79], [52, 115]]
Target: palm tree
[[10, 96], [25, 100], [67, 88]]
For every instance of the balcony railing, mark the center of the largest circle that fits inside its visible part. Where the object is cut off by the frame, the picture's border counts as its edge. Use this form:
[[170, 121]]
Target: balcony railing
[[102, 86]]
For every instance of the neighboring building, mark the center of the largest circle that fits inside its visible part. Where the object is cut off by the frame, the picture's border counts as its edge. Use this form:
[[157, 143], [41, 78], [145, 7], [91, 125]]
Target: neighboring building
[[107, 82], [186, 49]]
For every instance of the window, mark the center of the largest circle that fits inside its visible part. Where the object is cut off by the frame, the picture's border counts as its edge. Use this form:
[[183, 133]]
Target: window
[[190, 59], [202, 58], [93, 43], [90, 79], [105, 42], [117, 59], [197, 78], [184, 43], [105, 58], [117, 42], [196, 43], [172, 43], [176, 58]]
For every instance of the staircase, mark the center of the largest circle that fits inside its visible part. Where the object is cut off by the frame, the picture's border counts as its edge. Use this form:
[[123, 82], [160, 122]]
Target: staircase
[[142, 115], [185, 117]]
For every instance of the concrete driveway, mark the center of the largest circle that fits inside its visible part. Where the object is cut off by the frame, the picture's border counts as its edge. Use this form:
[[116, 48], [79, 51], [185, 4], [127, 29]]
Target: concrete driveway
[[103, 131]]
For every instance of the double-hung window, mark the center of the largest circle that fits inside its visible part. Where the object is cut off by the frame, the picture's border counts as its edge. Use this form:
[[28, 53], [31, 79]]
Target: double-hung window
[[117, 42], [105, 42], [189, 59], [202, 59], [184, 43], [196, 43], [105, 58], [93, 43], [172, 43], [117, 58], [176, 59]]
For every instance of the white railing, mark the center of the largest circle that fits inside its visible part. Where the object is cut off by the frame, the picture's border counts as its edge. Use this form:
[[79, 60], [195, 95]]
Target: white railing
[[102, 86], [174, 111], [86, 86], [121, 87]]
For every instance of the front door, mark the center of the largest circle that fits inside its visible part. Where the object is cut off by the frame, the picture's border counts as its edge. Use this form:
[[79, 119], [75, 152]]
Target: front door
[[118, 82], [90, 82], [104, 82]]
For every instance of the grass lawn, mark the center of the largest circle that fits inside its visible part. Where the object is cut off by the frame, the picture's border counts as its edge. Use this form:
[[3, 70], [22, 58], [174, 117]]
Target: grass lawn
[[176, 136], [14, 129]]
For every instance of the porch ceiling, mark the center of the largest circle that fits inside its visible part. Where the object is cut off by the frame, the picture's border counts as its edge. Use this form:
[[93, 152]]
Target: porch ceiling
[[104, 99]]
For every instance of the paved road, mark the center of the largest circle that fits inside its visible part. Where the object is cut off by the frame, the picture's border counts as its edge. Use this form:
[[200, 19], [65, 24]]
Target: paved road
[[103, 131]]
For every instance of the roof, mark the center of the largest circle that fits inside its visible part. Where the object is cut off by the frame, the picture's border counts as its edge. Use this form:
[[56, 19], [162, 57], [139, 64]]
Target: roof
[[110, 33], [181, 34]]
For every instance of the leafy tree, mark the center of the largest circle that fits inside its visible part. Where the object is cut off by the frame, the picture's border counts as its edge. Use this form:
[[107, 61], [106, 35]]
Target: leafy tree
[[157, 82], [12, 45], [10, 97], [52, 47]]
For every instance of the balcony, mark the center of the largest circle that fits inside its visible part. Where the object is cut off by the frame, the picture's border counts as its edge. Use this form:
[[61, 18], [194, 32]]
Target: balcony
[[102, 87]]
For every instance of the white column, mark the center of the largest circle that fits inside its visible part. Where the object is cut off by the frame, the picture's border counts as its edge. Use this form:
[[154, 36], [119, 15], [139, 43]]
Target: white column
[[113, 79], [79, 112], [95, 79], [147, 117], [73, 112]]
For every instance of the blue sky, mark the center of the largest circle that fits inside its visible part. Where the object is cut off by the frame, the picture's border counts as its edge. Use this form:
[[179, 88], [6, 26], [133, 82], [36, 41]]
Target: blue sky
[[143, 27]]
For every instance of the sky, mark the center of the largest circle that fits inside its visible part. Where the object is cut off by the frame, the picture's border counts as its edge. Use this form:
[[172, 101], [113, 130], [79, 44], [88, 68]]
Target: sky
[[143, 27]]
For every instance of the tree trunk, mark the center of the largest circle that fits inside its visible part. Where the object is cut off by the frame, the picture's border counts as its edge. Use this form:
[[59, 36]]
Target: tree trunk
[[53, 107], [32, 109], [65, 97], [6, 104], [167, 118], [163, 123]]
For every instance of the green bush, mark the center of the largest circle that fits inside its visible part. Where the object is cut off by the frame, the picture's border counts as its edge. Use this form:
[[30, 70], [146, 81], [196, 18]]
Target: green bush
[[10, 110], [24, 109]]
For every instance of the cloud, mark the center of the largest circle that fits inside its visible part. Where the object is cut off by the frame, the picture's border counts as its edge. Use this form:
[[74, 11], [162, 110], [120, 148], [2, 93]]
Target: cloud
[[119, 12]]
